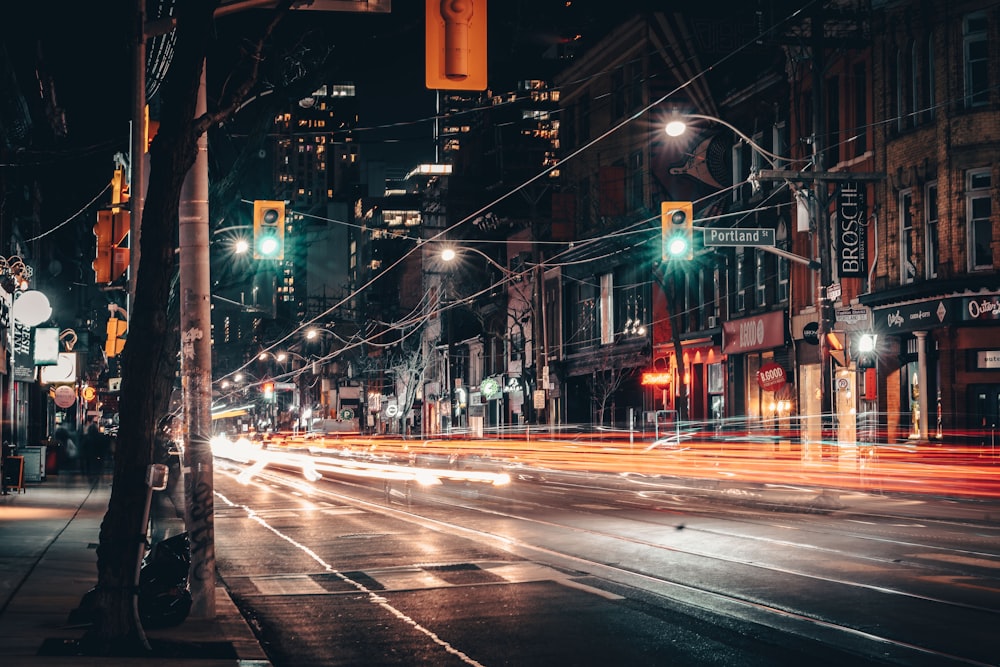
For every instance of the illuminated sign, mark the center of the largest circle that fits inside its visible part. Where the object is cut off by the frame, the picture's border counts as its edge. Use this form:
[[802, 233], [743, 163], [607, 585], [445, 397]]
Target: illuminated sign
[[656, 378]]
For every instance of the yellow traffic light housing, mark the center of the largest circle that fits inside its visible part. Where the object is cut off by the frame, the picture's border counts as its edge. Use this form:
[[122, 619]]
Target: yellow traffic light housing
[[677, 222], [111, 258], [103, 231], [115, 342], [268, 229], [455, 33]]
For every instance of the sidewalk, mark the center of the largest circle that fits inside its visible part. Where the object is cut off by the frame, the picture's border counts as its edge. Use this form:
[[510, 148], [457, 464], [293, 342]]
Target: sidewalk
[[48, 560]]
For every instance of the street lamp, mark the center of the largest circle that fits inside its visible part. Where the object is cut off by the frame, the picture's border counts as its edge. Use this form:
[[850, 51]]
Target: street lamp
[[816, 209], [530, 296]]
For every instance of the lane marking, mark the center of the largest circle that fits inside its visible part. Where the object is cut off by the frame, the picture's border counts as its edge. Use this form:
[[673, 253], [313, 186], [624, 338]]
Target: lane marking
[[373, 597]]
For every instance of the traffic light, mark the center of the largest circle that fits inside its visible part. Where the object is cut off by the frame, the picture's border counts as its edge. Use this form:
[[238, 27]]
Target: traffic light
[[102, 259], [268, 229], [455, 41], [114, 343], [677, 221], [267, 389], [111, 257]]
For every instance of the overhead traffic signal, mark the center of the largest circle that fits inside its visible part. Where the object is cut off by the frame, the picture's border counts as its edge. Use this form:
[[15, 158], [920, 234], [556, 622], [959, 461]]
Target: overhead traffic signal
[[114, 343], [455, 40], [677, 221], [111, 258], [268, 229]]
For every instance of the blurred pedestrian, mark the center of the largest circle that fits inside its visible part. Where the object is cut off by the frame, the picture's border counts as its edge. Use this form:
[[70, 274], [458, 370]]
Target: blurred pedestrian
[[92, 442], [69, 451]]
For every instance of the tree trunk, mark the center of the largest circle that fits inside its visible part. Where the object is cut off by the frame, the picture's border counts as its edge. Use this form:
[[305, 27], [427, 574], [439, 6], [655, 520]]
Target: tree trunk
[[147, 375]]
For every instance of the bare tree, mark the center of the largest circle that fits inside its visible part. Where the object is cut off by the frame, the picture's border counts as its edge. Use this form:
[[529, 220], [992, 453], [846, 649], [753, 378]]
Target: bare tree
[[605, 380], [407, 364]]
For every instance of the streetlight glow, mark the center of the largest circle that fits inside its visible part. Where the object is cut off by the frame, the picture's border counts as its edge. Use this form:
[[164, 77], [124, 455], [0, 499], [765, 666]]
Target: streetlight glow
[[448, 254], [676, 128]]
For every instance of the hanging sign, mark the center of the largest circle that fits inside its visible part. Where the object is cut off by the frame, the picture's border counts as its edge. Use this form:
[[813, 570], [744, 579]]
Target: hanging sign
[[771, 377], [852, 243], [64, 396]]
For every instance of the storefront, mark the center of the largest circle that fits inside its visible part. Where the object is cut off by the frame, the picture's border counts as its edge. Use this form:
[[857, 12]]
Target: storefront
[[762, 386], [945, 385]]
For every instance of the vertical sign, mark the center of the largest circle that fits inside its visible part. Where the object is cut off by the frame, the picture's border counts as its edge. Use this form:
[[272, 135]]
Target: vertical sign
[[852, 246], [22, 356]]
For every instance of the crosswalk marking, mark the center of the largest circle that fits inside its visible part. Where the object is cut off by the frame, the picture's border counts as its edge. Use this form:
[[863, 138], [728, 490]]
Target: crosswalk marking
[[417, 577]]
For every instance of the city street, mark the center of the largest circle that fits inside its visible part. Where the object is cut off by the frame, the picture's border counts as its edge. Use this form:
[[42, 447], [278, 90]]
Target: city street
[[586, 569]]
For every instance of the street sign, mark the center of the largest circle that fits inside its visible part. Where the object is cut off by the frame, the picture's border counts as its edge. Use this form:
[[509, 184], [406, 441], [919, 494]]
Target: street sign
[[739, 237]]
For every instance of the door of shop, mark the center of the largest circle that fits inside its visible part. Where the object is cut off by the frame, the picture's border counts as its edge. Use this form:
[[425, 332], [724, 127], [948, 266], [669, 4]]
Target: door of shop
[[984, 420]]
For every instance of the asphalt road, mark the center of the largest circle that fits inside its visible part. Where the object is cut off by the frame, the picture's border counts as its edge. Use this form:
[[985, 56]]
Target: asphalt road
[[592, 570]]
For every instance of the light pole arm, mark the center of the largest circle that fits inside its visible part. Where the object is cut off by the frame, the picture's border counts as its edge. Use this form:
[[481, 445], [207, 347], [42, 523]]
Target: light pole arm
[[811, 263]]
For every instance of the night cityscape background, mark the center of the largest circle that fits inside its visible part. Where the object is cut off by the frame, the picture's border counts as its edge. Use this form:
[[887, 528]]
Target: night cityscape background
[[706, 260]]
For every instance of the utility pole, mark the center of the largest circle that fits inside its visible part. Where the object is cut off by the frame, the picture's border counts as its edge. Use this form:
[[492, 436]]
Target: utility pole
[[820, 214], [196, 376]]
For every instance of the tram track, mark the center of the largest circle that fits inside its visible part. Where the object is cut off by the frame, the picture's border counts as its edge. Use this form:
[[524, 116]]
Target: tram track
[[706, 599]]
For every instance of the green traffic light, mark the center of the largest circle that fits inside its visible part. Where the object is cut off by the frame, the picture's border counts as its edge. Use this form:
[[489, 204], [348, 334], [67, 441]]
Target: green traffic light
[[268, 246], [677, 246]]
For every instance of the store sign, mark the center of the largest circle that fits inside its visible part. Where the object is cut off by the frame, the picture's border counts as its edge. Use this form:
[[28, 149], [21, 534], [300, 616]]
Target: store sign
[[987, 359], [490, 388], [761, 332], [64, 396], [913, 316], [981, 308], [854, 318], [771, 377], [852, 243], [23, 359], [656, 379]]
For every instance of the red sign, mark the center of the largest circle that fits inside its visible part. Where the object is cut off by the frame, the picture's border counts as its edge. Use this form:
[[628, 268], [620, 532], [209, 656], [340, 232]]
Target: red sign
[[65, 396], [771, 377], [656, 378], [761, 332]]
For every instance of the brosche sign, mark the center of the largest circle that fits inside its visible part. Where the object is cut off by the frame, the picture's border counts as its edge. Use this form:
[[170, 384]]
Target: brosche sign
[[771, 377]]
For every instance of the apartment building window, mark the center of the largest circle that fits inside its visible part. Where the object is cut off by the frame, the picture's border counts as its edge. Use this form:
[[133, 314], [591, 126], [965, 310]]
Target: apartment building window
[[635, 85], [922, 71], [930, 84], [978, 212], [779, 142], [757, 161], [607, 309], [915, 76], [931, 217], [618, 93], [976, 55], [739, 170], [860, 138], [901, 115], [833, 120], [907, 260], [784, 269], [760, 277], [741, 282], [635, 192], [714, 310], [705, 306]]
